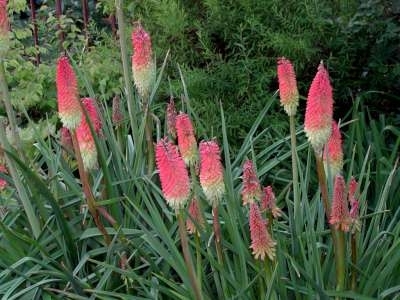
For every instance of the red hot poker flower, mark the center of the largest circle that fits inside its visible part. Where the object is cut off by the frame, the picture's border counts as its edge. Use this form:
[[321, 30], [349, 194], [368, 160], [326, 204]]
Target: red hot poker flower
[[186, 140], [142, 64], [340, 212], [171, 118], [262, 243], [211, 172], [4, 24], [288, 91], [195, 220], [173, 174], [87, 145], [333, 152], [319, 110], [268, 202], [354, 205], [251, 190], [69, 108]]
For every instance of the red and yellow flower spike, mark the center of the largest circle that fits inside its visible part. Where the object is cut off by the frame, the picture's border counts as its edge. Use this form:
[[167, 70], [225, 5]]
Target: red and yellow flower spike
[[173, 174], [87, 145], [262, 243], [340, 217], [288, 91], [4, 23], [268, 202], [143, 67], [211, 172], [319, 110], [186, 139], [69, 108], [195, 220], [354, 205], [333, 152], [251, 190], [171, 118]]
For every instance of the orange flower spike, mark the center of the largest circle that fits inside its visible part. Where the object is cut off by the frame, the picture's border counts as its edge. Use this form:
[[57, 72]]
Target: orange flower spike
[[251, 190], [186, 140], [268, 202], [173, 174], [195, 220], [87, 145], [319, 110], [142, 63], [69, 108], [262, 243], [288, 91], [211, 172], [340, 217], [333, 152]]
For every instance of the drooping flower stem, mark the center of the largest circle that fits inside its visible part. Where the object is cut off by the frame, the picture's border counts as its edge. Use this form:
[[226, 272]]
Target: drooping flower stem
[[127, 76], [337, 235], [91, 202], [187, 256], [10, 112], [353, 261], [296, 196]]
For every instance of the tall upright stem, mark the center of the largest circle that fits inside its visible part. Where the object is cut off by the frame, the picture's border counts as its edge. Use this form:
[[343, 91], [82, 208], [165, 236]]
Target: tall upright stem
[[149, 138], [337, 235], [85, 15], [187, 257], [125, 65], [295, 176], [323, 185], [91, 202], [354, 262]]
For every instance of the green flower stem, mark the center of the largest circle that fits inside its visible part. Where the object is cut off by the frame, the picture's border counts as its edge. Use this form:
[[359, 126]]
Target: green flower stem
[[295, 175], [187, 256], [149, 138], [337, 235], [127, 76], [268, 278], [354, 262], [91, 202], [340, 260], [199, 265], [323, 185], [10, 112], [218, 247]]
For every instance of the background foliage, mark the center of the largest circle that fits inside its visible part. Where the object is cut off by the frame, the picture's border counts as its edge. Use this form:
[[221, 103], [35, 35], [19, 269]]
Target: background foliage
[[222, 70]]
